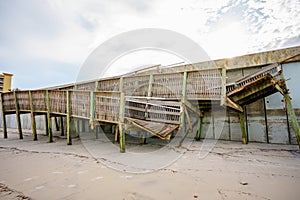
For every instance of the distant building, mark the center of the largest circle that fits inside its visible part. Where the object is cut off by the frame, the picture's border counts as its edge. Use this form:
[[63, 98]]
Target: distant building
[[5, 82]]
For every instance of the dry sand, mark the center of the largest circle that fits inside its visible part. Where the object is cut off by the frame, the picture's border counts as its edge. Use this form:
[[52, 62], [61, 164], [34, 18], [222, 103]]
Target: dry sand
[[41, 170]]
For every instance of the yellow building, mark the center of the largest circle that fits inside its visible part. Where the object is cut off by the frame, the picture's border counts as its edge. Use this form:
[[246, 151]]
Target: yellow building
[[5, 82]]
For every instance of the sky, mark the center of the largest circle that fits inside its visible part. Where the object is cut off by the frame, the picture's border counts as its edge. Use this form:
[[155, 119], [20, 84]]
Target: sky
[[45, 42]]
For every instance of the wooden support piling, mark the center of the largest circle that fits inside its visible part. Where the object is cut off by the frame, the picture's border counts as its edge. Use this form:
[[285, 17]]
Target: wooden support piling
[[116, 133], [69, 133], [96, 127], [18, 115], [293, 117], [183, 99], [61, 126], [198, 135], [223, 85], [76, 127], [290, 110], [121, 122], [33, 124], [243, 128], [83, 125], [92, 109], [144, 139], [149, 94], [50, 136], [3, 119], [56, 124], [46, 125]]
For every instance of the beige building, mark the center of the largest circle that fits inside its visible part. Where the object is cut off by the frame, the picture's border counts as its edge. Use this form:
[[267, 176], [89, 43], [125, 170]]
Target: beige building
[[5, 82]]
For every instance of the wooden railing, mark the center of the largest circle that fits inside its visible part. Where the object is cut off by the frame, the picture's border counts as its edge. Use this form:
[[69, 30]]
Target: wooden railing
[[273, 69], [95, 106]]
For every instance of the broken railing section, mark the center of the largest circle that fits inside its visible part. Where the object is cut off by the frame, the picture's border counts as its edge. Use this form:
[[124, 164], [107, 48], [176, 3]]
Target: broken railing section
[[249, 89], [105, 107]]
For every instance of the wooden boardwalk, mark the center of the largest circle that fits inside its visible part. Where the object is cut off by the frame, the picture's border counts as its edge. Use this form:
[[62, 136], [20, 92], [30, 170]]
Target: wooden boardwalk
[[157, 103]]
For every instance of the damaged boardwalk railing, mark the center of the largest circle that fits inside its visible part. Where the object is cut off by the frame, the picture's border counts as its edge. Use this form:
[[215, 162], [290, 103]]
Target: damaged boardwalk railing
[[156, 103], [107, 107]]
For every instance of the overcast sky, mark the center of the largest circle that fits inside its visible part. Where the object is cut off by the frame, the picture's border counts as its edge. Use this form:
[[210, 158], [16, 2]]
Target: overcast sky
[[44, 43]]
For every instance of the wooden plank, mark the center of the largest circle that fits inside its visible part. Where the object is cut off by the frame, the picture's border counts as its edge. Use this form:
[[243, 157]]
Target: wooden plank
[[160, 130]]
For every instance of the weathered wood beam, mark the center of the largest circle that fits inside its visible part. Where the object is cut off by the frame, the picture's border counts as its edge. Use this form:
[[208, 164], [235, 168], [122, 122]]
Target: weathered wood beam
[[3, 118], [92, 109], [56, 124], [193, 108], [61, 126], [248, 91], [233, 105], [149, 93], [121, 122], [116, 133], [188, 119], [199, 130], [76, 127], [183, 99], [243, 128], [223, 87], [68, 119], [293, 117], [18, 115], [290, 111], [46, 125], [33, 124], [50, 136]]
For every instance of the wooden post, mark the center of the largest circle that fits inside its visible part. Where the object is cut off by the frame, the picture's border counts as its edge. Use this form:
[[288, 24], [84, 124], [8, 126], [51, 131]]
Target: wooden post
[[293, 117], [76, 127], [223, 91], [291, 112], [83, 125], [33, 124], [92, 109], [96, 131], [69, 133], [198, 135], [151, 80], [121, 122], [96, 86], [46, 125], [61, 126], [18, 116], [243, 129], [49, 116], [183, 100], [56, 124], [121, 84], [149, 94], [3, 118], [144, 140], [116, 133]]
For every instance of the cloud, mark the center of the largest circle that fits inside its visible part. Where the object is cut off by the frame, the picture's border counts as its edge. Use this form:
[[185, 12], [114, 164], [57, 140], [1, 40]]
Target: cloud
[[64, 33]]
